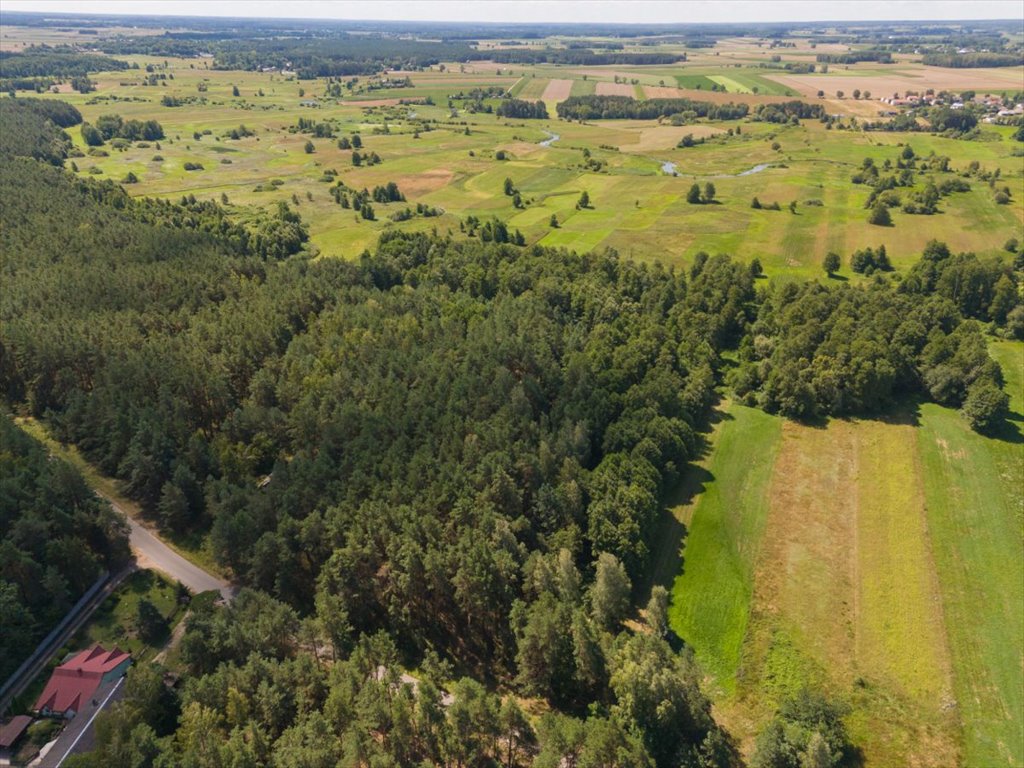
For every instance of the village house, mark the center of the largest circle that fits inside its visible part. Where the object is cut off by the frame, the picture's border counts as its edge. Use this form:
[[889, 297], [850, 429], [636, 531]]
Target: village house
[[74, 683]]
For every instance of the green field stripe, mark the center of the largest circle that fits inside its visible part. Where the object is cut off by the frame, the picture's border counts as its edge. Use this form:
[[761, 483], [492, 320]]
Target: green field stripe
[[711, 597], [973, 489]]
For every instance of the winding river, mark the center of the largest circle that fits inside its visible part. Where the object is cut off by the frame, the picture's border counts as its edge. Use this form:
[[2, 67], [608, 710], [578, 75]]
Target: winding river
[[551, 139], [671, 169]]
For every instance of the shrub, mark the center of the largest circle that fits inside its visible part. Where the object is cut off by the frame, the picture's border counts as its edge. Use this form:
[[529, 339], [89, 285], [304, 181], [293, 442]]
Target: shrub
[[986, 405], [879, 215]]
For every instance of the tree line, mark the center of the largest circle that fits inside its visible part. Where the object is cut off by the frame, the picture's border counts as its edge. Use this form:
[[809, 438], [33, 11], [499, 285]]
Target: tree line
[[109, 127], [60, 62], [973, 59], [855, 57], [594, 107], [815, 351], [575, 57], [31, 130], [520, 109]]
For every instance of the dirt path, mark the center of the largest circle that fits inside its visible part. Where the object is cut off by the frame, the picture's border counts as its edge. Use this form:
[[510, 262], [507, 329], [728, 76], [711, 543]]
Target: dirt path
[[173, 640]]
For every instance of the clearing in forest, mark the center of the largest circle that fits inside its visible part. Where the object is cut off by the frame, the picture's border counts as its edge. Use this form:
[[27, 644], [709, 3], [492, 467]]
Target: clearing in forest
[[878, 560]]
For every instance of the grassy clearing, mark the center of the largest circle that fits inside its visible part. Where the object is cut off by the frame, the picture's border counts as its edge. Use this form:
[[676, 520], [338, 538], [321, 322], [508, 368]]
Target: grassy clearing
[[879, 560], [741, 81], [711, 596], [842, 592], [975, 500], [702, 82]]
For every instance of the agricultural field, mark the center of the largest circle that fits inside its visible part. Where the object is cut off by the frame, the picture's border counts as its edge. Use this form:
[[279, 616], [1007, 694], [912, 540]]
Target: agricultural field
[[446, 156], [879, 559]]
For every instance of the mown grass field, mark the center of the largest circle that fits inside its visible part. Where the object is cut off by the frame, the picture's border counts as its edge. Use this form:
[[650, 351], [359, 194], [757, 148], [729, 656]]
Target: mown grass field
[[975, 501], [879, 560], [711, 596], [637, 208]]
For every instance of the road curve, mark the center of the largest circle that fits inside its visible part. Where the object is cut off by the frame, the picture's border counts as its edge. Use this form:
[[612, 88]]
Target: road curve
[[151, 552]]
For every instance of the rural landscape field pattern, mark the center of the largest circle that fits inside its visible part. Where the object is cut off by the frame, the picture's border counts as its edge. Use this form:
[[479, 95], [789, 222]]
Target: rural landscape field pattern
[[876, 558]]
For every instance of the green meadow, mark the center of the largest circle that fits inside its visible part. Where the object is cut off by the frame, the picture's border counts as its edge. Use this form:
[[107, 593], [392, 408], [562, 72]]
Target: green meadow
[[878, 559], [975, 501], [712, 593], [447, 156]]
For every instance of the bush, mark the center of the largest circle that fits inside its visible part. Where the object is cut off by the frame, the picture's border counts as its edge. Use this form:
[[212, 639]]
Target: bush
[[91, 135], [879, 215], [986, 405], [149, 622]]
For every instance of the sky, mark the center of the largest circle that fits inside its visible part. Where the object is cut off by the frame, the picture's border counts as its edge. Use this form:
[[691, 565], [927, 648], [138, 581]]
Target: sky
[[551, 11]]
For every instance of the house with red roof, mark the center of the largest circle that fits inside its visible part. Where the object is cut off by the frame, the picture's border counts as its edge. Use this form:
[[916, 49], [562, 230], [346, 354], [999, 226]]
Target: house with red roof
[[73, 684]]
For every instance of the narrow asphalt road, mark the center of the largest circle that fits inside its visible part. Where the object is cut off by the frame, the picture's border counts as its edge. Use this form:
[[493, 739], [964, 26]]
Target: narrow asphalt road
[[151, 552], [79, 735]]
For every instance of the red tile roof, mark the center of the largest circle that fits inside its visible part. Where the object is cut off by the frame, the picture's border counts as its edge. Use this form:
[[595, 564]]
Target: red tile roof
[[75, 681], [9, 732]]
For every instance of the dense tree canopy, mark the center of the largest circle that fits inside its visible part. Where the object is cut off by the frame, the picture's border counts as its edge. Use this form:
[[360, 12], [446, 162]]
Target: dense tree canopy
[[625, 107], [518, 108], [56, 537], [29, 131]]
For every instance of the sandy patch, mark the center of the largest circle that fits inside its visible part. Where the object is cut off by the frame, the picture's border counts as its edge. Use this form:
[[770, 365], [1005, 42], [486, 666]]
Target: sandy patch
[[417, 184], [615, 89], [667, 137], [372, 103], [557, 90]]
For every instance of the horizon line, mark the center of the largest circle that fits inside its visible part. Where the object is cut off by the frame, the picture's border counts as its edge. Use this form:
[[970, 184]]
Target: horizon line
[[164, 14]]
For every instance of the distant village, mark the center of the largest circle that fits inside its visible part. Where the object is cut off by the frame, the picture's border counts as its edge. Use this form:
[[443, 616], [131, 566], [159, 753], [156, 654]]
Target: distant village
[[996, 108]]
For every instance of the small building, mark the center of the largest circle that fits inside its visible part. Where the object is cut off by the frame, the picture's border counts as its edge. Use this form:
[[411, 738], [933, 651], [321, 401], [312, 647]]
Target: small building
[[74, 682], [12, 731], [309, 103]]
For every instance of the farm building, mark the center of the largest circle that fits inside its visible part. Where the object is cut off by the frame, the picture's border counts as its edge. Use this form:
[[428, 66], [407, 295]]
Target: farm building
[[12, 731], [74, 682]]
